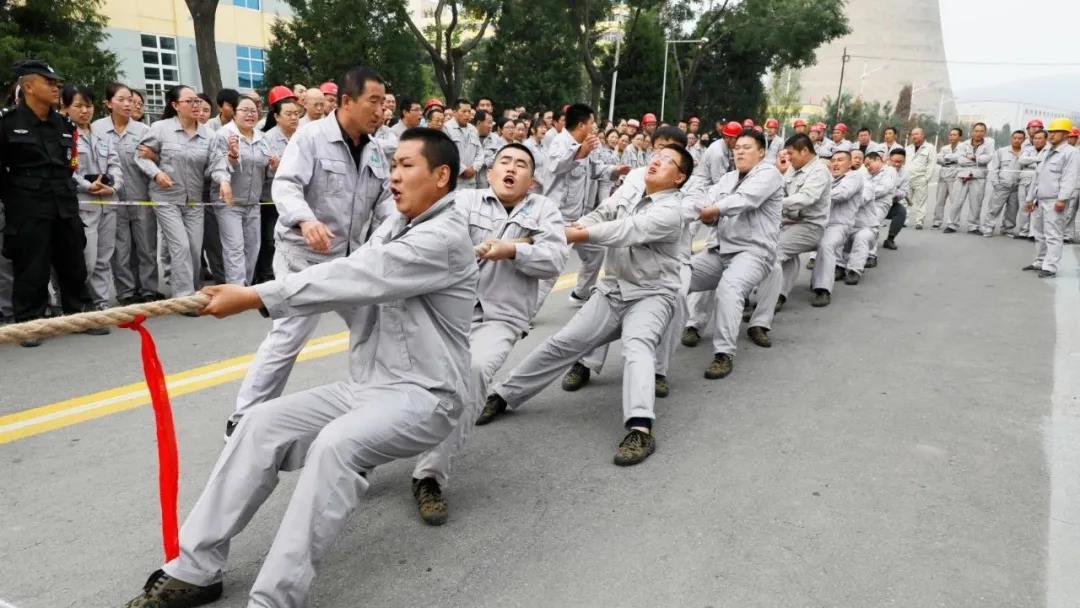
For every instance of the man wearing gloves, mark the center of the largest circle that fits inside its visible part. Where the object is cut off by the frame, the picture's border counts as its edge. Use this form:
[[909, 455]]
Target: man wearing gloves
[[409, 361], [804, 215], [634, 301], [747, 201], [519, 240], [1055, 185]]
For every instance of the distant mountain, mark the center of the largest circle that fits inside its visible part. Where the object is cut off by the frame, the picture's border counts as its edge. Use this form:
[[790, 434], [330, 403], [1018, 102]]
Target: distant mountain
[[1061, 92]]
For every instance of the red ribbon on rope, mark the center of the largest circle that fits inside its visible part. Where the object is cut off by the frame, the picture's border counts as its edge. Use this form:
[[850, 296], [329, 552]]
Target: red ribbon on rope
[[168, 460]]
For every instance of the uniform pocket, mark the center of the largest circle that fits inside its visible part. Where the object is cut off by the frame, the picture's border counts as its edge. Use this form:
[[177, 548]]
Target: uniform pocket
[[332, 173], [395, 315]]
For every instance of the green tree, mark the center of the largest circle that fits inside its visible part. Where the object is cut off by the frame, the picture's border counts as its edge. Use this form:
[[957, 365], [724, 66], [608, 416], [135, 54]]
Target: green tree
[[446, 42], [523, 64], [782, 102], [723, 75], [324, 39], [641, 66], [68, 34]]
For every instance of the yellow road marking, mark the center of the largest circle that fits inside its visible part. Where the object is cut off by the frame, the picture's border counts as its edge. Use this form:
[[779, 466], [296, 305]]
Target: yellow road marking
[[37, 420]]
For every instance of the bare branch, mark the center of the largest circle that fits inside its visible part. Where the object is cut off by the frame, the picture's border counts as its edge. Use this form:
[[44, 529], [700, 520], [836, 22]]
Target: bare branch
[[417, 33], [470, 45]]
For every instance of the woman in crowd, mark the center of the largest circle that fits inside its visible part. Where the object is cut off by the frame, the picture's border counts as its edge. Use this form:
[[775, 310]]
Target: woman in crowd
[[281, 122]]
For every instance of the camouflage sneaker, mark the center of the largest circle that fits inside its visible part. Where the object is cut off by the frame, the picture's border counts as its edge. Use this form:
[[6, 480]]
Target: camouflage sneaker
[[780, 301], [871, 262], [635, 448], [494, 408], [821, 298], [852, 278], [662, 388], [691, 337], [429, 501], [810, 263], [720, 367], [576, 377], [839, 273], [164, 591], [759, 336]]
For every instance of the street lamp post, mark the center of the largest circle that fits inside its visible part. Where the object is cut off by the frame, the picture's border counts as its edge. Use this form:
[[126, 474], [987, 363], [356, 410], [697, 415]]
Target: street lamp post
[[663, 87]]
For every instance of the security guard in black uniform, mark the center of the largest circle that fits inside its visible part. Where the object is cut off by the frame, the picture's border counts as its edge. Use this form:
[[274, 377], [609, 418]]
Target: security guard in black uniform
[[38, 154]]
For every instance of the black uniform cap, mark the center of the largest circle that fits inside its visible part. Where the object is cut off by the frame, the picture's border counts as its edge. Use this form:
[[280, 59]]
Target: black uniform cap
[[33, 66]]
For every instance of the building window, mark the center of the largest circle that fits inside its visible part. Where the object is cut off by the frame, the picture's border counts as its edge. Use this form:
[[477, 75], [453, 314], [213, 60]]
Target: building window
[[250, 65], [161, 70], [252, 4]]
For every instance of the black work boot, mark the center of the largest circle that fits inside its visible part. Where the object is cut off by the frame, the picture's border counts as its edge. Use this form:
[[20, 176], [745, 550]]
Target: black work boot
[[576, 377], [851, 278], [889, 244], [429, 501], [871, 262], [662, 389]]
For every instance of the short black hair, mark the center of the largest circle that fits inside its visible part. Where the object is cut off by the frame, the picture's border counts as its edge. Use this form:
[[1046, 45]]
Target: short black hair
[[873, 154], [480, 116], [479, 99], [354, 80], [978, 124], [862, 130], [686, 161], [501, 122], [438, 150], [1019, 132], [887, 129], [800, 142], [228, 96], [576, 114], [898, 151], [517, 146], [68, 93], [206, 98], [758, 138], [958, 130], [461, 101], [1043, 131], [675, 134], [405, 104]]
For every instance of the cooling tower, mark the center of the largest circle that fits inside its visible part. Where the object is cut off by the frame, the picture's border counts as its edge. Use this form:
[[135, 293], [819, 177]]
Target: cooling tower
[[892, 43]]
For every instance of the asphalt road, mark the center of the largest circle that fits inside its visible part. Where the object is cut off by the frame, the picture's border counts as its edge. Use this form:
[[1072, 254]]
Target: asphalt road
[[901, 447]]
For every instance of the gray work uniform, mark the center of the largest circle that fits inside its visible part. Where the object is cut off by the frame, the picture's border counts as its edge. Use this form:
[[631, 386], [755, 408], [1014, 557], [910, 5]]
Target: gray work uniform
[[490, 144], [804, 215], [470, 151], [1029, 160], [97, 156], [970, 184], [634, 301], [846, 195], [316, 180], [184, 158], [604, 186], [388, 138], [1056, 179], [134, 263], [919, 166], [824, 148], [566, 181], [1004, 176], [408, 361], [882, 188], [506, 299], [633, 157], [539, 152], [948, 159], [747, 234], [773, 146], [715, 163], [238, 225]]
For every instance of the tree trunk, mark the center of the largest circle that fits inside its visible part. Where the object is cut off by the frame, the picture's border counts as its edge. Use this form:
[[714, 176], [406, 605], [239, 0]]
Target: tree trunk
[[204, 17]]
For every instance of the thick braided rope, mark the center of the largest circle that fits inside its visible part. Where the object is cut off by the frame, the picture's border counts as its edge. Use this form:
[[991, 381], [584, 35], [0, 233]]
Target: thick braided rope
[[70, 324]]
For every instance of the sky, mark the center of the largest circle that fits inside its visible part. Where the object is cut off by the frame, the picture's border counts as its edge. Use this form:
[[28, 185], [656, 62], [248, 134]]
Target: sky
[[1010, 31]]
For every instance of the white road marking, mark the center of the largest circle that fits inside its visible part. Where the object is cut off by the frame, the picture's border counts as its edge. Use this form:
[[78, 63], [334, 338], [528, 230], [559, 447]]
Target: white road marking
[[1062, 444]]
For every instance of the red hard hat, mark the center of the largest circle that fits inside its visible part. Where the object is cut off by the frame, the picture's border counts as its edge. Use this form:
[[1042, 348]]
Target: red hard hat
[[748, 123], [732, 129], [1035, 122], [758, 129], [434, 101], [772, 123], [648, 118], [1075, 132], [818, 126], [328, 88], [278, 93], [799, 123], [841, 127]]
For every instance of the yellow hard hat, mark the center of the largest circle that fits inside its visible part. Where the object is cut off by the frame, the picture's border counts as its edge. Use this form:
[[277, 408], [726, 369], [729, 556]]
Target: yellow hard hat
[[1060, 124]]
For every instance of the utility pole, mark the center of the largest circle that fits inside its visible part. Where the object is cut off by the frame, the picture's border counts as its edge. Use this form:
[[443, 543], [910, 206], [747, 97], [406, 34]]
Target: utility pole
[[840, 89], [614, 81]]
